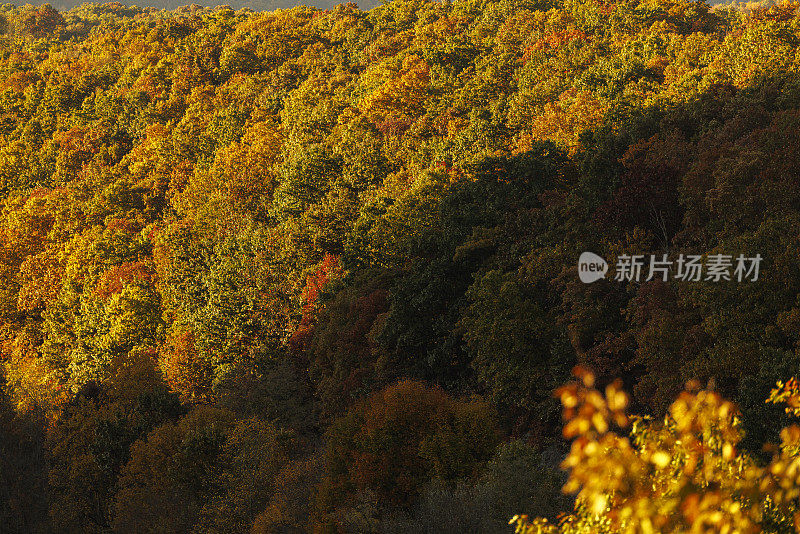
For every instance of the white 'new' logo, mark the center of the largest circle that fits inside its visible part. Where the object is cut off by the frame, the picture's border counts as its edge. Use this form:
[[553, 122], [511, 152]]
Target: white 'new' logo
[[591, 267]]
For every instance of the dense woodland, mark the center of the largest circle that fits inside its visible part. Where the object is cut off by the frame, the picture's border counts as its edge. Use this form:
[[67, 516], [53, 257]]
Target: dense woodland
[[252, 5], [316, 270]]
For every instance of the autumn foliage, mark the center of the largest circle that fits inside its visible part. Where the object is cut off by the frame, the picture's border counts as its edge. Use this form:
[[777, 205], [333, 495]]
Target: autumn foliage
[[314, 270]]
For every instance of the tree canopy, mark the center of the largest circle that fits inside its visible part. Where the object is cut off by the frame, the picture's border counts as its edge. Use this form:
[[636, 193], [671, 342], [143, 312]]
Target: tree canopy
[[315, 270]]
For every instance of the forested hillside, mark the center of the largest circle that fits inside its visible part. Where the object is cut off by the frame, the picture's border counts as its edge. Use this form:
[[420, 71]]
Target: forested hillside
[[316, 270], [253, 5]]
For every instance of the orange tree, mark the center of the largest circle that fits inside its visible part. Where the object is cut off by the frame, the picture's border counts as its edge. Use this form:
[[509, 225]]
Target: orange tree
[[682, 474]]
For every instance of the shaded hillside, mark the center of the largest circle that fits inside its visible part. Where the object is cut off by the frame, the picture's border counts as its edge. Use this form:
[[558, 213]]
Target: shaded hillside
[[316, 270]]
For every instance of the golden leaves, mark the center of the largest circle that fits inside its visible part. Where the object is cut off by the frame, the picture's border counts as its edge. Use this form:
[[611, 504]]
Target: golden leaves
[[789, 394], [587, 410], [683, 474]]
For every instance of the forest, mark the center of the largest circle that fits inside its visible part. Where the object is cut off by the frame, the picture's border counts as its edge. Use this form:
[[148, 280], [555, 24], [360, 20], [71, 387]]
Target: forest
[[316, 270]]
